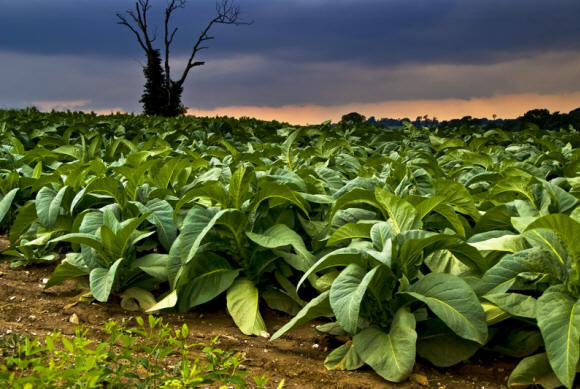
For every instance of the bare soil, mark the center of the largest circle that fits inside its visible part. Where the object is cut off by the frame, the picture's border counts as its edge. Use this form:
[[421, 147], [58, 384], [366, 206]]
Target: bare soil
[[298, 357]]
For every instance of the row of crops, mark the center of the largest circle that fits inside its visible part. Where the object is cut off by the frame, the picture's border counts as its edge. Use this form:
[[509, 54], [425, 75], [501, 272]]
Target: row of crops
[[413, 243]]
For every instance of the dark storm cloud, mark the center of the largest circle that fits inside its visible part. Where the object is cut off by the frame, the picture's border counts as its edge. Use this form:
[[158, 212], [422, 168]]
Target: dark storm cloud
[[72, 53], [372, 32]]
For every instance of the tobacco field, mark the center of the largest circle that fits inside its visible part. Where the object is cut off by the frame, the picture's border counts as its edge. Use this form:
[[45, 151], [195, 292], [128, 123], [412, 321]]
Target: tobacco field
[[408, 242]]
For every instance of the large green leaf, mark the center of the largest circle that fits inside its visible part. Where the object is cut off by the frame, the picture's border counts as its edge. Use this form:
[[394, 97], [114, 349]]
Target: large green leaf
[[346, 295], [457, 196], [25, 217], [161, 216], [239, 186], [168, 301], [64, 271], [502, 276], [317, 307], [402, 215], [6, 203], [153, 264], [516, 304], [208, 277], [355, 196], [211, 190], [101, 280], [119, 238], [558, 315], [415, 244], [81, 238], [519, 184], [243, 307], [271, 190], [198, 222], [381, 233], [281, 235], [350, 231], [48, 205], [454, 302], [533, 371], [108, 186], [339, 257], [344, 357], [509, 243], [567, 230], [391, 355]]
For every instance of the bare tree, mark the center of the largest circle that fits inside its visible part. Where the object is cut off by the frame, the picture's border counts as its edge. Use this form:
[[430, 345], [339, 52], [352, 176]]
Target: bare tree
[[162, 94]]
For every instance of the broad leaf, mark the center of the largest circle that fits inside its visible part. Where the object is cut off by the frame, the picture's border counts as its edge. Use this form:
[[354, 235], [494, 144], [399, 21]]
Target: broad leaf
[[281, 235], [346, 295], [211, 276], [48, 205], [558, 315], [515, 304], [402, 215], [161, 216], [502, 276], [317, 307], [344, 357], [6, 203], [101, 281], [533, 371], [243, 307], [350, 231], [391, 355], [454, 302], [64, 271]]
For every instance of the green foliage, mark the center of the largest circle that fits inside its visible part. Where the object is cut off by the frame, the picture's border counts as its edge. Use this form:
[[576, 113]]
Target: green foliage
[[438, 243], [130, 357]]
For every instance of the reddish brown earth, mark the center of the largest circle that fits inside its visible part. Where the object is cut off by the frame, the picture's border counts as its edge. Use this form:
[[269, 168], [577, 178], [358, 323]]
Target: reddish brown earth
[[298, 357]]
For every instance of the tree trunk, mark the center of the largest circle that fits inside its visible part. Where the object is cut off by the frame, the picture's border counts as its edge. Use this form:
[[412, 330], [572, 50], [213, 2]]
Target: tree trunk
[[153, 98]]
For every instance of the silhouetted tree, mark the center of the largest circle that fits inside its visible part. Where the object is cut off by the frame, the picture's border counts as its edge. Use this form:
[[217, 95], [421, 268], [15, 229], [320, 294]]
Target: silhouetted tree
[[353, 117], [154, 95], [162, 94]]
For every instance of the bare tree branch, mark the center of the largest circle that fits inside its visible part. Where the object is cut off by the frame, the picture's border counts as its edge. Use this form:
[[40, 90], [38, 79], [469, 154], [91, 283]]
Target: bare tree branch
[[139, 25], [168, 37], [123, 21], [227, 13]]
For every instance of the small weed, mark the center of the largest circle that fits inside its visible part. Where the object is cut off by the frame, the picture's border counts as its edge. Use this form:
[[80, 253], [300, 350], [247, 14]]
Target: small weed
[[147, 355]]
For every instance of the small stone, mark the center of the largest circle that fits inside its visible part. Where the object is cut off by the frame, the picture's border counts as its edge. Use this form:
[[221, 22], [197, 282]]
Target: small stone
[[264, 334], [74, 319], [420, 379], [315, 345], [32, 317], [11, 298], [45, 280]]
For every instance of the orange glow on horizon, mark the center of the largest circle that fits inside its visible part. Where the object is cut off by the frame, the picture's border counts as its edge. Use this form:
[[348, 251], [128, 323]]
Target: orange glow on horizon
[[504, 106]]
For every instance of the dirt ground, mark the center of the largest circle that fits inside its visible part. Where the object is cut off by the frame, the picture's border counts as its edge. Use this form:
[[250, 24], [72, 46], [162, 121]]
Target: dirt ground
[[298, 357]]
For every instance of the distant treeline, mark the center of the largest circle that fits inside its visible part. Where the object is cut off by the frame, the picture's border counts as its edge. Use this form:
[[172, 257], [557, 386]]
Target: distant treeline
[[542, 118]]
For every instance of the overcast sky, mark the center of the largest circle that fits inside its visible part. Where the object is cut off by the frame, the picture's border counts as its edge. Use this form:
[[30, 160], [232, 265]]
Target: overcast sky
[[304, 60]]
